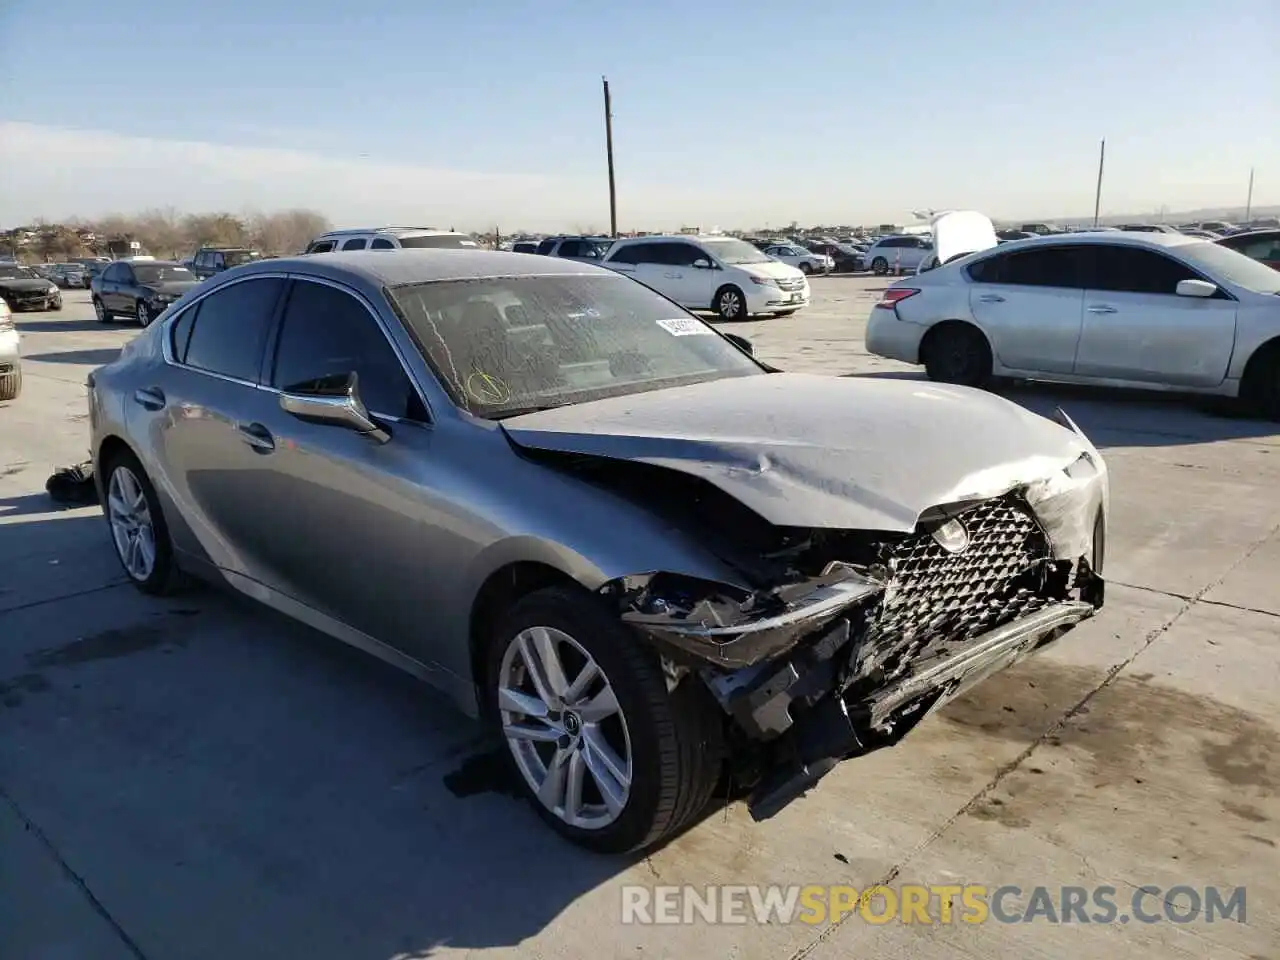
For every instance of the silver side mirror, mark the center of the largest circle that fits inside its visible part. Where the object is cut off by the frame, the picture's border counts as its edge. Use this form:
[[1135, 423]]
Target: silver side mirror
[[334, 401], [1196, 288]]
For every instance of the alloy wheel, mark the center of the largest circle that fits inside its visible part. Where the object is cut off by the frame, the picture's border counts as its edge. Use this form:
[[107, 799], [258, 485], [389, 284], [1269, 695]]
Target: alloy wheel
[[730, 304], [131, 526], [564, 727], [99, 310], [144, 314]]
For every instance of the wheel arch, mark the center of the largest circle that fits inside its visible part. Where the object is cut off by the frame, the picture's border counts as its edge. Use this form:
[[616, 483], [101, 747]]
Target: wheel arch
[[1263, 352], [952, 324]]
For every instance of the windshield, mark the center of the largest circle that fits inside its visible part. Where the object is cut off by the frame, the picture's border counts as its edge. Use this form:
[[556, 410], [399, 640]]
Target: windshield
[[734, 252], [1219, 261], [509, 345], [448, 241], [162, 273], [11, 271]]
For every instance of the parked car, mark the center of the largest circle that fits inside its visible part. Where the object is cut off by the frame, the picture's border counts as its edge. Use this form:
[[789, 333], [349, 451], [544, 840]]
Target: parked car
[[1220, 227], [66, 275], [1260, 245], [525, 246], [845, 257], [723, 275], [904, 251], [1149, 228], [802, 258], [90, 267], [10, 355], [141, 290], [22, 288], [210, 260], [1200, 234], [1005, 236], [644, 557], [589, 249], [1149, 310], [390, 238]]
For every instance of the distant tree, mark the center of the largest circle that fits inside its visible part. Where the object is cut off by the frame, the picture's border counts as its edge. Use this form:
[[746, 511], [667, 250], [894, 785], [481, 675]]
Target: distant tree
[[160, 232]]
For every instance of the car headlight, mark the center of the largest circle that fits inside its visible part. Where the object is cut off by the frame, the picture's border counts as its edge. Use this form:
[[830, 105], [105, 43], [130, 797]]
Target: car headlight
[[53, 287], [764, 281]]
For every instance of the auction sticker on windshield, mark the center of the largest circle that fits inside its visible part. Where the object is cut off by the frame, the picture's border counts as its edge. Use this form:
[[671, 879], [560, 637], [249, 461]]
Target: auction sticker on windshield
[[684, 327]]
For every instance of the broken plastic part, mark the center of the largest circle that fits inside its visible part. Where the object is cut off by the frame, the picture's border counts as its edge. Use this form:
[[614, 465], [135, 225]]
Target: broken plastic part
[[729, 626]]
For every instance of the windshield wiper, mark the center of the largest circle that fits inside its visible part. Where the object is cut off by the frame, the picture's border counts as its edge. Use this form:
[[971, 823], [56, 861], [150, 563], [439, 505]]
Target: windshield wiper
[[529, 408]]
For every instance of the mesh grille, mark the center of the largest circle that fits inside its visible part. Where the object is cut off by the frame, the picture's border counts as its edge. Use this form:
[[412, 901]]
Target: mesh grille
[[934, 594]]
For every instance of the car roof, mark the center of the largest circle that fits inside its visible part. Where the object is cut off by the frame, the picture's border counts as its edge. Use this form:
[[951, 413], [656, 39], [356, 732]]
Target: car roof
[[393, 232], [396, 267], [1133, 239], [1258, 234]]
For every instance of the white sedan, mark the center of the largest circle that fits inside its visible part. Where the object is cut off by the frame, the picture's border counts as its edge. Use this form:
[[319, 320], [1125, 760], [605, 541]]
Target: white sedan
[[1148, 310], [806, 261]]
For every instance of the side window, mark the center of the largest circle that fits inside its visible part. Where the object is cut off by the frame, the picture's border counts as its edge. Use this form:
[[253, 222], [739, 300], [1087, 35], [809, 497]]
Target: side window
[[320, 246], [627, 253], [1135, 270], [683, 254], [571, 248], [1266, 248], [326, 333], [201, 259], [891, 242], [229, 329], [218, 261], [355, 243], [180, 333], [1052, 267], [127, 275], [546, 246], [109, 275], [381, 243]]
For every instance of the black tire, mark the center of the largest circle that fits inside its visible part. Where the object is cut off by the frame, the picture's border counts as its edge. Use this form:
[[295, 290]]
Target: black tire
[[730, 303], [101, 311], [11, 384], [880, 266], [142, 313], [165, 577], [54, 304], [805, 268], [1260, 387], [676, 738], [957, 353]]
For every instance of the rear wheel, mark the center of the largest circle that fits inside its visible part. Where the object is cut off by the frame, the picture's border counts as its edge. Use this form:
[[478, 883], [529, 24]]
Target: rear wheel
[[730, 304], [957, 353], [604, 753], [805, 268], [138, 530], [879, 266], [100, 310], [1260, 387], [11, 384]]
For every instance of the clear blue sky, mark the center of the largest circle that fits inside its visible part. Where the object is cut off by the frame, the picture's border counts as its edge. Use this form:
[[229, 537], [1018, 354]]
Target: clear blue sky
[[786, 110]]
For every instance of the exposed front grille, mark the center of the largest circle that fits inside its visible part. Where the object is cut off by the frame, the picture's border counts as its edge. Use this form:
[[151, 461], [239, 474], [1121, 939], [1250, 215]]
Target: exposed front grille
[[791, 285], [935, 595]]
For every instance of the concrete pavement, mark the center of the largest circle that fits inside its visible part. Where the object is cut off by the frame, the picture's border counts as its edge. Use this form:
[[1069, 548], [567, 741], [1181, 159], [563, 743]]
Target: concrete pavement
[[196, 777]]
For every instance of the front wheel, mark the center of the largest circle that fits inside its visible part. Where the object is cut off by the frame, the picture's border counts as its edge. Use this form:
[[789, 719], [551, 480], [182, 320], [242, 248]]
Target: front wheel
[[143, 313], [11, 384], [730, 304], [879, 266], [805, 268], [1260, 388], [100, 310], [608, 757]]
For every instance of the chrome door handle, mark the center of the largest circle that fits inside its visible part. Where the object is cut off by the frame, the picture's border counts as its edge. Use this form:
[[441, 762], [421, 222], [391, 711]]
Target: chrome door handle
[[991, 298], [257, 436], [152, 398], [1101, 308]]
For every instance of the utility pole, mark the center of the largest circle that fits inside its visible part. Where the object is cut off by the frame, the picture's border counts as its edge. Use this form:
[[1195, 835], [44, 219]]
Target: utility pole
[[1097, 197], [1248, 203], [608, 146]]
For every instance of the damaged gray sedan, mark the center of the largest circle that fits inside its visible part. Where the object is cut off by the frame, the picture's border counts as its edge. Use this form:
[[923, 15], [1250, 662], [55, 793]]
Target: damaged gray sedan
[[652, 563]]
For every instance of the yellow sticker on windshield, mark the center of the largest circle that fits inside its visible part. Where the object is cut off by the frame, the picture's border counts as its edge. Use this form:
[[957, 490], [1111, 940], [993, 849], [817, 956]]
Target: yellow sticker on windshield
[[486, 388], [685, 327]]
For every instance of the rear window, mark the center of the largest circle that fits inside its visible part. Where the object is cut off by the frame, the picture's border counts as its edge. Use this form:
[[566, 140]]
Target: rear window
[[452, 241]]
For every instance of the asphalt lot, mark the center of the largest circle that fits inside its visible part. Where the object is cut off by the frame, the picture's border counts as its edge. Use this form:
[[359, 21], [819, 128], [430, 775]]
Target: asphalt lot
[[201, 779]]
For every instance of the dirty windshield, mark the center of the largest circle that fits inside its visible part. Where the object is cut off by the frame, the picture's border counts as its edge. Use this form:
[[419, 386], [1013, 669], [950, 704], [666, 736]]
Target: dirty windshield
[[11, 271], [510, 345], [162, 273], [735, 252]]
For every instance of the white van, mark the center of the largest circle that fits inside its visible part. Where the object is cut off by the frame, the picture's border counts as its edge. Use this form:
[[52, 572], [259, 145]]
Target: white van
[[724, 275], [389, 238]]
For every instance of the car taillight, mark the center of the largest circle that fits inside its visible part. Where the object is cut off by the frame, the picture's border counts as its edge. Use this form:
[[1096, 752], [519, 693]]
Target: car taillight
[[895, 295]]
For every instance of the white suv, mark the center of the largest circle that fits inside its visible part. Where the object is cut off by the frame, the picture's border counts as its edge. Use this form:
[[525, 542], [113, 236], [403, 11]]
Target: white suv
[[724, 275], [890, 254], [389, 238]]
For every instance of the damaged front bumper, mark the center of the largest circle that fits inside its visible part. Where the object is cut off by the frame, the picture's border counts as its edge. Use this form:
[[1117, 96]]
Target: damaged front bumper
[[838, 664]]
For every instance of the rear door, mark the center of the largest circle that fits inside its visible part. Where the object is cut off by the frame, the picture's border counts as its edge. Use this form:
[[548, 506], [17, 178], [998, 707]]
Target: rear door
[[1029, 303], [1136, 327]]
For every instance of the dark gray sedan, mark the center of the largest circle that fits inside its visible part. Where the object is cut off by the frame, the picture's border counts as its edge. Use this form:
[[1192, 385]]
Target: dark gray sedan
[[588, 517]]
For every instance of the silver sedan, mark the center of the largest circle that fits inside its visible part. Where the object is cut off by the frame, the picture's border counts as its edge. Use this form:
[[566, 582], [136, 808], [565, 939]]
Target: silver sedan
[[641, 556]]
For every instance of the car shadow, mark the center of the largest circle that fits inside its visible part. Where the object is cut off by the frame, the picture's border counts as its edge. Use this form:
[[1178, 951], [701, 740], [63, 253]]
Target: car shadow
[[95, 357], [278, 786], [1114, 417], [56, 326]]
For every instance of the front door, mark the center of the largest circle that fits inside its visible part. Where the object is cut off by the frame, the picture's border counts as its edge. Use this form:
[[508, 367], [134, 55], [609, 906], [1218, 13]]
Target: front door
[[1136, 327], [1028, 302], [341, 513]]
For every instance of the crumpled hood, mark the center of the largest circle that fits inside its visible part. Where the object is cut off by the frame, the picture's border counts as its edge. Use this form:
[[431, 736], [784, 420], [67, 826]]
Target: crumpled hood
[[25, 284], [814, 451]]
